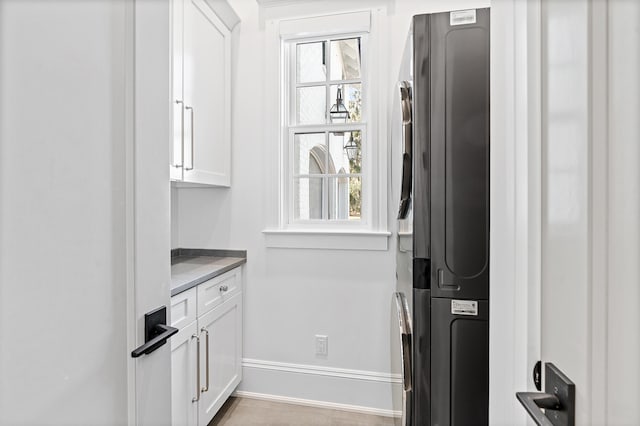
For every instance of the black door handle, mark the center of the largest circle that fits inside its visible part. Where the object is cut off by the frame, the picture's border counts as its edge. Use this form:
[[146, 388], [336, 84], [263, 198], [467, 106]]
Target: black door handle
[[534, 401], [156, 332], [558, 400]]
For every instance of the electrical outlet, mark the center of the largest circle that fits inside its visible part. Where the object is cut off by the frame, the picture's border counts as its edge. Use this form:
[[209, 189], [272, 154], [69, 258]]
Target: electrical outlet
[[322, 345]]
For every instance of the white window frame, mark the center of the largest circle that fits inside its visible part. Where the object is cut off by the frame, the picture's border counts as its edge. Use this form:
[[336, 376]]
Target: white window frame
[[370, 232], [292, 128]]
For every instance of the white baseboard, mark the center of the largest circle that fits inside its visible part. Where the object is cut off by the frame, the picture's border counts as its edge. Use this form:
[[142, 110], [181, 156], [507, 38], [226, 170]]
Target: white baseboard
[[319, 404], [325, 387]]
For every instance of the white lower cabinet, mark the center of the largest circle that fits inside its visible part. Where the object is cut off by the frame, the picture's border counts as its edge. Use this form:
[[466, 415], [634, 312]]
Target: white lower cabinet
[[223, 327], [218, 334], [184, 412]]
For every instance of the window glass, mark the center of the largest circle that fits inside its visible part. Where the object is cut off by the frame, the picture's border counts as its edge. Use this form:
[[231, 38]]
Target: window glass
[[311, 62], [309, 154], [311, 105], [308, 196], [352, 99], [345, 59], [345, 151], [345, 198]]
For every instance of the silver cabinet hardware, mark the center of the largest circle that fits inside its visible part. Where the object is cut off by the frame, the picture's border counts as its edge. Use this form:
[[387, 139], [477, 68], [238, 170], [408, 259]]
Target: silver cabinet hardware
[[204, 330], [192, 125], [223, 288], [197, 397], [179, 165]]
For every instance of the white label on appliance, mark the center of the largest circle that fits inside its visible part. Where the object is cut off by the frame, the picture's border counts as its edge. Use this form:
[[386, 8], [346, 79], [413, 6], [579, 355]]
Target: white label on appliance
[[462, 17], [464, 307]]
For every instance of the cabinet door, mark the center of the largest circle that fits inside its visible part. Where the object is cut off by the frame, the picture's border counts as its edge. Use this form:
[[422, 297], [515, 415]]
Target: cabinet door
[[224, 327], [207, 76], [184, 411], [177, 101]]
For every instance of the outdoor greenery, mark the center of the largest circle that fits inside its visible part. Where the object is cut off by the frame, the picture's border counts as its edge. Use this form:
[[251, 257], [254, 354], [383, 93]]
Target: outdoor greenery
[[355, 185]]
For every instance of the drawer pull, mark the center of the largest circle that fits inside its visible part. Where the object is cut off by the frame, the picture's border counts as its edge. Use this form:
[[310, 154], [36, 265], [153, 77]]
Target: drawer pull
[[197, 397], [205, 331], [223, 288]]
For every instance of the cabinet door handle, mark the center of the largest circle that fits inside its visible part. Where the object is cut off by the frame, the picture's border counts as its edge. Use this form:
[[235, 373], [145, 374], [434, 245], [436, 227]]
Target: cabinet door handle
[[192, 124], [197, 397], [178, 165], [205, 331]]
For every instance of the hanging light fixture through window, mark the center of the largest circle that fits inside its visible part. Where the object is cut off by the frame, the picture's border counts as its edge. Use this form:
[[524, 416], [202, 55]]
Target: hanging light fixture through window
[[338, 112], [351, 148]]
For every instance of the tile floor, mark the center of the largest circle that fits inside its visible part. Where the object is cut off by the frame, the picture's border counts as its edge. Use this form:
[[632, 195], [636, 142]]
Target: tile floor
[[249, 412]]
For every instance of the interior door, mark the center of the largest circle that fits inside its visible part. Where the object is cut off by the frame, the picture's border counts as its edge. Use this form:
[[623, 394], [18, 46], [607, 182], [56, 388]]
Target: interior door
[[590, 234], [84, 190], [149, 207], [566, 195]]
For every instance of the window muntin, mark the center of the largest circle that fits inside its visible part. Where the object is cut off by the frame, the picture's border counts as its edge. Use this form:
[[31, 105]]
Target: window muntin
[[325, 172]]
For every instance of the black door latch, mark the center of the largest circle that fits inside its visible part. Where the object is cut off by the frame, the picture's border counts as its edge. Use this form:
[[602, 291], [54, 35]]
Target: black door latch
[[558, 399], [156, 332]]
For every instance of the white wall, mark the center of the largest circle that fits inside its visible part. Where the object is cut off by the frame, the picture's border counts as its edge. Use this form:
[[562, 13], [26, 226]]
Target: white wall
[[63, 349], [291, 295]]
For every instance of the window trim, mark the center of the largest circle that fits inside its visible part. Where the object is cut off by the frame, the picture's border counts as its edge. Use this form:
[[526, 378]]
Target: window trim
[[289, 99], [371, 233]]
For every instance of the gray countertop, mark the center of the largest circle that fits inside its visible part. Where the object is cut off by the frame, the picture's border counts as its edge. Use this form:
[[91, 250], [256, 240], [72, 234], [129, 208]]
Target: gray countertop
[[190, 267]]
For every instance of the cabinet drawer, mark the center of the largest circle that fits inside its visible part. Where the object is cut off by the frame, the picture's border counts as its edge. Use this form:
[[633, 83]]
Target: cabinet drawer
[[183, 308], [215, 291]]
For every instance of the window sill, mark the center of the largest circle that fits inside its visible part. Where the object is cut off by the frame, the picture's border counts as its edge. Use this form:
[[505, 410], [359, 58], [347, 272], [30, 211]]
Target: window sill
[[329, 240]]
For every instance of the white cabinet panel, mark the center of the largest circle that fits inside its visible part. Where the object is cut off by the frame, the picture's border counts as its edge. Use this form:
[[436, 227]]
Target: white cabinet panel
[[183, 308], [184, 411], [215, 291], [177, 126], [207, 95], [224, 327], [201, 146]]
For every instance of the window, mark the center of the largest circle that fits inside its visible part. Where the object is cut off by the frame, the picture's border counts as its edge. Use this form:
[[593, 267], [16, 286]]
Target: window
[[326, 118], [326, 131]]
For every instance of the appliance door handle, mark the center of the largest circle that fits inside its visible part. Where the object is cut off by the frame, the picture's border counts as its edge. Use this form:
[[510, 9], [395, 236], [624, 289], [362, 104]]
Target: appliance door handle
[[206, 388], [407, 148], [192, 124], [163, 333], [197, 397], [404, 322], [179, 165]]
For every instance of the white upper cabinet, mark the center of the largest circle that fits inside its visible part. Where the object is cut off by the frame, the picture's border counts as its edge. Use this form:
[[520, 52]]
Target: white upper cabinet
[[177, 126], [201, 145]]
